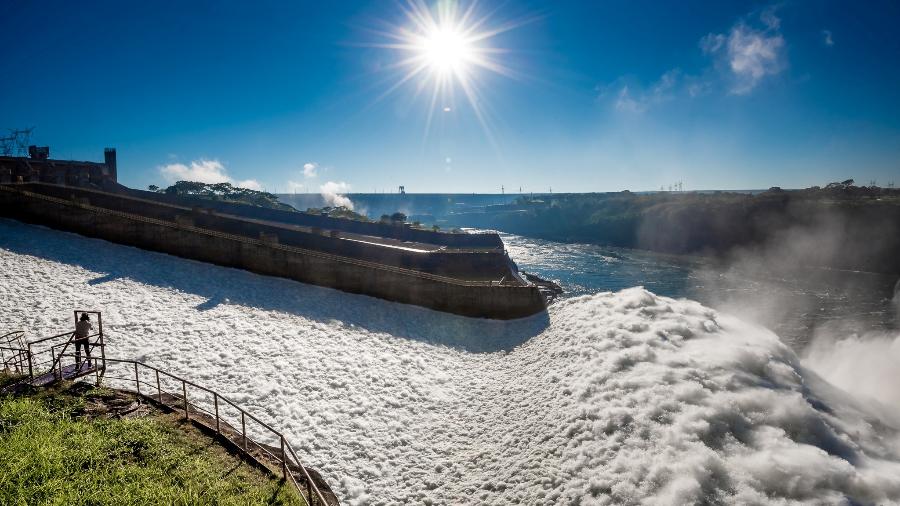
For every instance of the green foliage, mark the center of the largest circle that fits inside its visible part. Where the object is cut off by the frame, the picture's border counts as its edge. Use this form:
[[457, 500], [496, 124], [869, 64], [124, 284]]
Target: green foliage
[[227, 193], [339, 212], [48, 455]]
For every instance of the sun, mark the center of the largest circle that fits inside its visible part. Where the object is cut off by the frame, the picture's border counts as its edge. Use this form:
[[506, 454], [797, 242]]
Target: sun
[[445, 48]]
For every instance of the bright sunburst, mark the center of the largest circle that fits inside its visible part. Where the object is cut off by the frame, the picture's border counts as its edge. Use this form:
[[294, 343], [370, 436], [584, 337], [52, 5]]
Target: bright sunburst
[[445, 47]]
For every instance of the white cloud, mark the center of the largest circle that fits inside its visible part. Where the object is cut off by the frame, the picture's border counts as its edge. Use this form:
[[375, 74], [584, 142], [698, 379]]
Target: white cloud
[[250, 184], [294, 186], [333, 192], [204, 171], [634, 98], [769, 18], [712, 42], [753, 55], [310, 170], [827, 38], [751, 50], [625, 102], [750, 54]]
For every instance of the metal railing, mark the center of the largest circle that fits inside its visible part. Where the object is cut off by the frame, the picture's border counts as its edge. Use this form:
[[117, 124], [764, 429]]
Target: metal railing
[[42, 356], [13, 355], [217, 412], [45, 359]]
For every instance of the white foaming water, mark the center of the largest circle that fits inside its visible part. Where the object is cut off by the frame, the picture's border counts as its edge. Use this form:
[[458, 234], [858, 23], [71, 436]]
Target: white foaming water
[[617, 398], [866, 367]]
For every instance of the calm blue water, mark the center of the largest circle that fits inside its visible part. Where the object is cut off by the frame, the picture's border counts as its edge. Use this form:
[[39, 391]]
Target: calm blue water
[[795, 303]]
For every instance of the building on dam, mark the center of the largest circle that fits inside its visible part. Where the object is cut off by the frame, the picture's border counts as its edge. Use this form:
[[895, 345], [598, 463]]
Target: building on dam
[[38, 167]]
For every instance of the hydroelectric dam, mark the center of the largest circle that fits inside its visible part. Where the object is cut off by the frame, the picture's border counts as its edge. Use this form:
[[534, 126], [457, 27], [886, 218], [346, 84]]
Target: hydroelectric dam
[[460, 273]]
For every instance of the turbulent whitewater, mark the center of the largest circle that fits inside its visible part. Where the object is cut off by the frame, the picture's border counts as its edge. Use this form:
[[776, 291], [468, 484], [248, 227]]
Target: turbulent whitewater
[[614, 398]]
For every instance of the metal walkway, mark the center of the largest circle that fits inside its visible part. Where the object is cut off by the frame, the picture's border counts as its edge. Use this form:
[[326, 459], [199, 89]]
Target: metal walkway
[[69, 373]]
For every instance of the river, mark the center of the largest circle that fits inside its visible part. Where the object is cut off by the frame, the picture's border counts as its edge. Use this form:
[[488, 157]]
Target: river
[[796, 304]]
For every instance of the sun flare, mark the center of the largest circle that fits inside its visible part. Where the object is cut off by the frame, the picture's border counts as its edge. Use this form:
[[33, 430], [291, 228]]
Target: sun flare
[[444, 48]]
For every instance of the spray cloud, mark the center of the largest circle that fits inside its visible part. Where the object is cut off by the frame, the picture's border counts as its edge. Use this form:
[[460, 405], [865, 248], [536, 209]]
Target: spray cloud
[[333, 194]]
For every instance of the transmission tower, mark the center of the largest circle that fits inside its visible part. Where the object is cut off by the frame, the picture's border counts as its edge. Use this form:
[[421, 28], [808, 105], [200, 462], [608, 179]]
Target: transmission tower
[[16, 143]]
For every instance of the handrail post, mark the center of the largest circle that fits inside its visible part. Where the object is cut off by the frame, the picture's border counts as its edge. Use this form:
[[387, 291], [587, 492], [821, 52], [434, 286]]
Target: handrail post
[[216, 403], [53, 362], [244, 428], [30, 363], [283, 459], [158, 389], [137, 379], [309, 493], [102, 344], [187, 415]]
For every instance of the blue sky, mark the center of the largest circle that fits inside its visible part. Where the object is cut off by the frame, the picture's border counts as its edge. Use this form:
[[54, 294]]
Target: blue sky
[[604, 96]]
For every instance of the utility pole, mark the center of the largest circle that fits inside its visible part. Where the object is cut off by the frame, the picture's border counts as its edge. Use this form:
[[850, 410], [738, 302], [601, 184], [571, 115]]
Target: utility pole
[[16, 143]]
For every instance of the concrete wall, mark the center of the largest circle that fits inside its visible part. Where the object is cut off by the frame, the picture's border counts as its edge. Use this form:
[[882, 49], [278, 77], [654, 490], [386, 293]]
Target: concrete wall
[[266, 257], [480, 265], [377, 229]]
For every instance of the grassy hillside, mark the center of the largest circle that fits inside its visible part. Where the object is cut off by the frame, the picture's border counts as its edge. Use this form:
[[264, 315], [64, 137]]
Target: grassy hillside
[[60, 447]]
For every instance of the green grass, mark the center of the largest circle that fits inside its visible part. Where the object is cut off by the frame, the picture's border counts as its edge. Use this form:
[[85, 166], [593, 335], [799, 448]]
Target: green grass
[[50, 453]]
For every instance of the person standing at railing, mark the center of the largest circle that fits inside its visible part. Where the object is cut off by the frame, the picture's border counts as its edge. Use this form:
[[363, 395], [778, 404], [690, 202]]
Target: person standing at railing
[[82, 330]]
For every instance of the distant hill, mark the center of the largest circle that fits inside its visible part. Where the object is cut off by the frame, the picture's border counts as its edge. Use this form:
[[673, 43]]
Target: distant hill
[[840, 225]]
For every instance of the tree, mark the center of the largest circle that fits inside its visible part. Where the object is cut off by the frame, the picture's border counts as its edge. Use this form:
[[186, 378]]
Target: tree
[[226, 192], [153, 188], [398, 217]]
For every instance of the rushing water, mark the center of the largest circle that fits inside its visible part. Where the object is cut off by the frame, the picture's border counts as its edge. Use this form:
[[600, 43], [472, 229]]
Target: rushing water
[[621, 397], [795, 304]]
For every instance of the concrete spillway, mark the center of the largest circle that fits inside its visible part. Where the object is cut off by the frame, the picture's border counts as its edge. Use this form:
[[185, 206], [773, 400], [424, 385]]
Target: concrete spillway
[[455, 273]]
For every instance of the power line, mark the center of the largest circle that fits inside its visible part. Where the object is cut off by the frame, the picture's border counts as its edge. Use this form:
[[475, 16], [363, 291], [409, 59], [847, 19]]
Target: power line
[[17, 142]]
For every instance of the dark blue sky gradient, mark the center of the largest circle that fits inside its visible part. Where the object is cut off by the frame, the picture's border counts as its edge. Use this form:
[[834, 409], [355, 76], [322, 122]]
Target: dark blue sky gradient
[[265, 87]]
